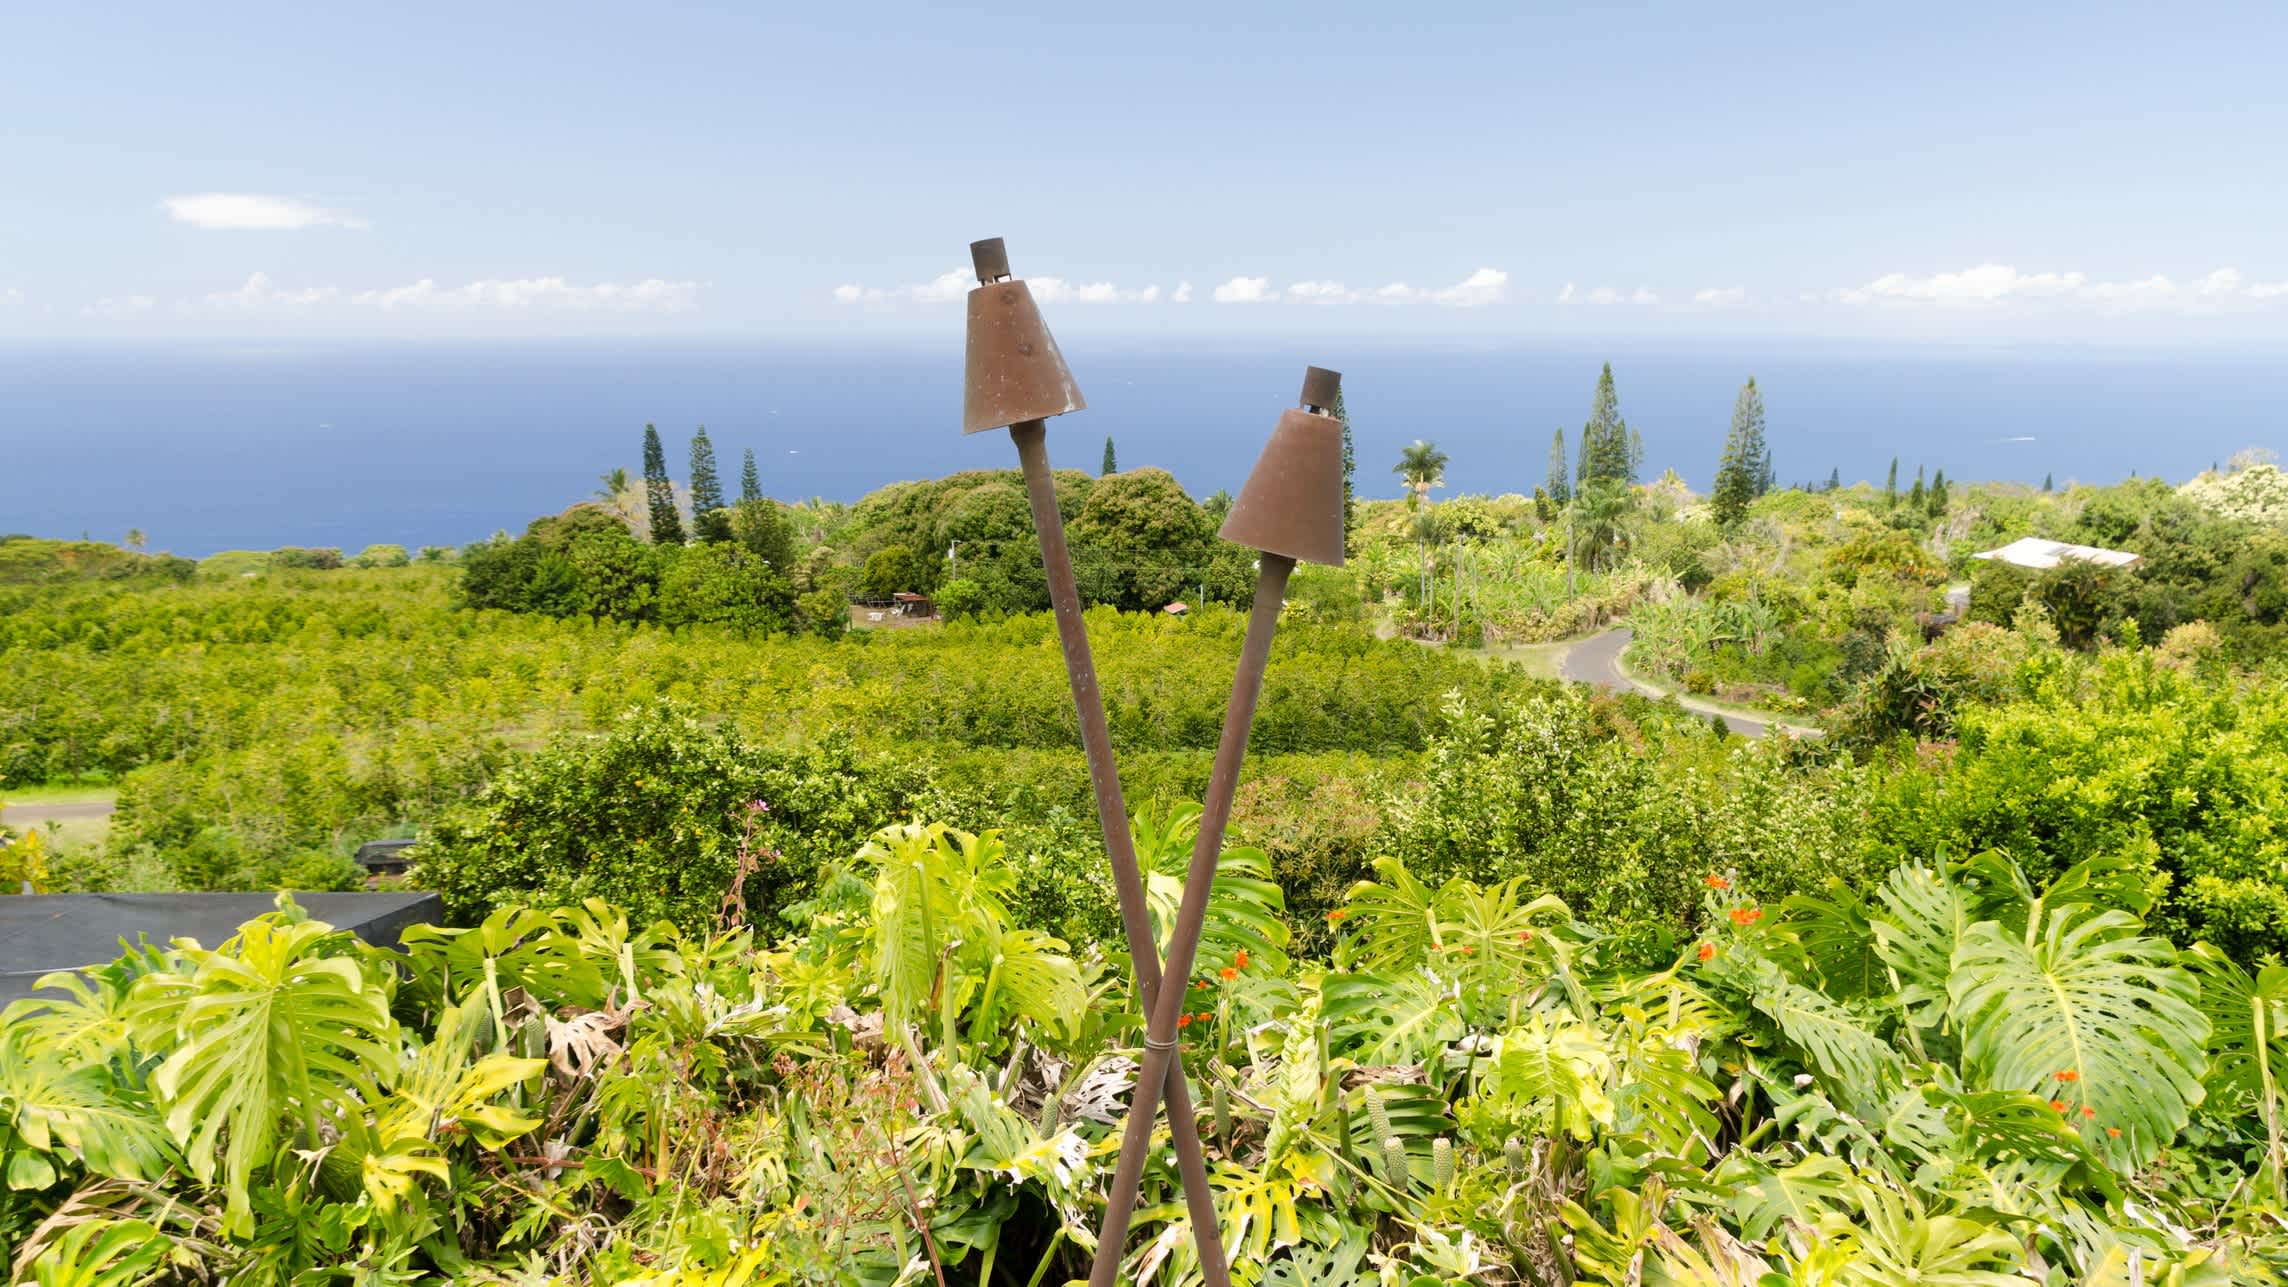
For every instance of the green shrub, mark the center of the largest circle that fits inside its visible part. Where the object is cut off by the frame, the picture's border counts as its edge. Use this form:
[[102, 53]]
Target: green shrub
[[651, 815]]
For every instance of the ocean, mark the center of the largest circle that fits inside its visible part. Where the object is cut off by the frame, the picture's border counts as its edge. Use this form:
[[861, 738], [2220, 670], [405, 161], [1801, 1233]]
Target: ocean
[[213, 445]]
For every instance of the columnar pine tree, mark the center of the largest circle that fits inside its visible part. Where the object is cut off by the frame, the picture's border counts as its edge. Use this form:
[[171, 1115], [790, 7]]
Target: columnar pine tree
[[1636, 454], [1835, 479], [750, 479], [709, 522], [1937, 495], [1111, 462], [1560, 486], [1605, 439], [1350, 470], [2049, 482], [1745, 470], [1891, 485], [659, 493], [1915, 495]]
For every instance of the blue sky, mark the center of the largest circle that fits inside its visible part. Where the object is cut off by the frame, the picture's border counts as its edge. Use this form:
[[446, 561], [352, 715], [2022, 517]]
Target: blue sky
[[2032, 172]]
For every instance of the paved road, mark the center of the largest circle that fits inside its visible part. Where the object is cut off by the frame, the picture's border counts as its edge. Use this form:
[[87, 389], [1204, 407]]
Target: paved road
[[1597, 660], [22, 815]]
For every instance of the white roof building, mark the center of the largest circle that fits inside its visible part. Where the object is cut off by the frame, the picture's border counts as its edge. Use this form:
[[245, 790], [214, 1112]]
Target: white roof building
[[2040, 553]]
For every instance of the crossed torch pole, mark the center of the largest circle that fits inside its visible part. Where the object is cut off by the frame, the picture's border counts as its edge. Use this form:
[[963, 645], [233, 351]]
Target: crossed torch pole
[[1291, 509]]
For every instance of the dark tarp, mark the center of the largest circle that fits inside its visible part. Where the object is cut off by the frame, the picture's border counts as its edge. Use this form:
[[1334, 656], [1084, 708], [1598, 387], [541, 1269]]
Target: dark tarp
[[42, 933]]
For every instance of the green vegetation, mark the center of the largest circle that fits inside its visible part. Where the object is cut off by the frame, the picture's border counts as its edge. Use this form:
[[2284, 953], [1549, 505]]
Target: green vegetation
[[783, 952], [1959, 1073]]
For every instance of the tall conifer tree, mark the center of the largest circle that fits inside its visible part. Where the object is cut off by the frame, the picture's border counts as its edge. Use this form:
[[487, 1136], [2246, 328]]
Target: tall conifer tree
[[709, 522], [1111, 461], [1605, 439], [659, 492], [750, 479], [1891, 485], [1745, 470], [1560, 485]]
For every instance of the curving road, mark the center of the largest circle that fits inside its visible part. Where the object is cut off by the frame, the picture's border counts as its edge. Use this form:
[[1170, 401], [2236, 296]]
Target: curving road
[[1597, 660]]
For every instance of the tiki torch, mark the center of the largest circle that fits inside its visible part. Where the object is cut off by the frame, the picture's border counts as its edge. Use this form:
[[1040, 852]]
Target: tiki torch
[[1016, 378], [1291, 509]]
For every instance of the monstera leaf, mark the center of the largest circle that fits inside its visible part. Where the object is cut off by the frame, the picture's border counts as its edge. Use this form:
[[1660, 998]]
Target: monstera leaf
[[1389, 1018], [1854, 1065], [103, 1253], [1893, 1243], [1924, 916], [1393, 920], [264, 1029], [1245, 905], [2248, 1045], [1765, 1198], [51, 1106], [1838, 942], [1567, 1064], [2082, 1010]]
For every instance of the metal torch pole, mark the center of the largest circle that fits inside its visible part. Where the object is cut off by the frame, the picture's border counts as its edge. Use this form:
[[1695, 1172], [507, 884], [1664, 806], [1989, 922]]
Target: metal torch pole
[[1160, 1064], [1128, 881]]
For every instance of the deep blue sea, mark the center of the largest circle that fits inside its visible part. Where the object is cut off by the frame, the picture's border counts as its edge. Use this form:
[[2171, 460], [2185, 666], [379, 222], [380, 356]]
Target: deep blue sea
[[211, 445]]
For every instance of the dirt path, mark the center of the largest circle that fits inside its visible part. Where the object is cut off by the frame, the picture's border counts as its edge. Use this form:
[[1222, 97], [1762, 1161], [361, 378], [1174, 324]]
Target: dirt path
[[31, 815], [1597, 660]]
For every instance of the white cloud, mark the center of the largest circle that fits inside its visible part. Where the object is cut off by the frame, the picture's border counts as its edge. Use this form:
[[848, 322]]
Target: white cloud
[[1720, 296], [1991, 286], [1484, 286], [248, 211], [1244, 290], [1057, 290], [259, 293], [120, 306], [652, 295], [1565, 296], [1183, 293], [11, 297], [1980, 287], [1326, 291], [956, 284]]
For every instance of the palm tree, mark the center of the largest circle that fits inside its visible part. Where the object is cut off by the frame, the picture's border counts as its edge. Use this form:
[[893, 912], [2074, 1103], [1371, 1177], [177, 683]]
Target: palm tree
[[1423, 467], [618, 494], [135, 538], [1595, 517]]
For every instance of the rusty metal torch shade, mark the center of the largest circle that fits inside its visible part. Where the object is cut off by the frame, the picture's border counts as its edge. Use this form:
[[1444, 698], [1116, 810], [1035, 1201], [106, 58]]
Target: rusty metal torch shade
[[1293, 502], [1014, 372]]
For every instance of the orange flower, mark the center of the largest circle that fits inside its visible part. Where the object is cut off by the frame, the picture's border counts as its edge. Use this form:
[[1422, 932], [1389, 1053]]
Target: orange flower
[[2113, 1131], [2069, 1075], [2058, 1105], [2087, 1111], [1199, 983], [1706, 950], [1468, 949], [1241, 960], [1717, 882], [1337, 914], [1746, 916], [1525, 936], [1205, 1016], [1228, 973], [1184, 1022]]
